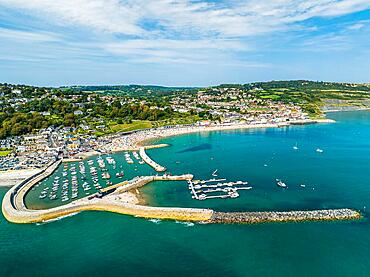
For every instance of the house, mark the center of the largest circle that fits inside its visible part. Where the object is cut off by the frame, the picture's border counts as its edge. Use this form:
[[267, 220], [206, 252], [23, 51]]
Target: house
[[78, 112]]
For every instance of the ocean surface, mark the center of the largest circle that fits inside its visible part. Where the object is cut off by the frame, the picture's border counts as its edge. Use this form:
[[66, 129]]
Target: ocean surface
[[101, 243]]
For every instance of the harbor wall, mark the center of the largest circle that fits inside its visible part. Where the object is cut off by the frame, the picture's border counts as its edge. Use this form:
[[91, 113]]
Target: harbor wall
[[142, 181], [108, 205], [149, 161]]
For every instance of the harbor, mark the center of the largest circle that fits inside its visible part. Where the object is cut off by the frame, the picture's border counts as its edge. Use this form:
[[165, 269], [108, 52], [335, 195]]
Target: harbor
[[112, 182], [120, 199]]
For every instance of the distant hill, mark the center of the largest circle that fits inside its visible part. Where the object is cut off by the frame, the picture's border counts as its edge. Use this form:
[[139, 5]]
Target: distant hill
[[132, 90]]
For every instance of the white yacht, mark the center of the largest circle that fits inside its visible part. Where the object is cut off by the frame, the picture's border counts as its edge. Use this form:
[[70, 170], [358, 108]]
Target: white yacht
[[281, 183]]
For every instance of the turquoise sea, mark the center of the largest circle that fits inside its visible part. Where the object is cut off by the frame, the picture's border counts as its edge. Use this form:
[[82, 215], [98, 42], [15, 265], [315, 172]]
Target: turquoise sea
[[99, 243]]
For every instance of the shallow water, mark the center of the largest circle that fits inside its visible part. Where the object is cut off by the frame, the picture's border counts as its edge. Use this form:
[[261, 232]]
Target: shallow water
[[97, 243]]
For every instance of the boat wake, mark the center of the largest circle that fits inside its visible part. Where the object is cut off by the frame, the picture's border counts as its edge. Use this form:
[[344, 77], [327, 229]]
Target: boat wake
[[186, 223], [156, 221], [56, 219]]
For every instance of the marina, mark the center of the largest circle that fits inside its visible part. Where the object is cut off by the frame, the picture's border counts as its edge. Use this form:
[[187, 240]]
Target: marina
[[206, 189], [75, 180]]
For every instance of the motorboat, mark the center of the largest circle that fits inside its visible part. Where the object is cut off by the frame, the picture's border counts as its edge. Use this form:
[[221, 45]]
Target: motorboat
[[281, 183]]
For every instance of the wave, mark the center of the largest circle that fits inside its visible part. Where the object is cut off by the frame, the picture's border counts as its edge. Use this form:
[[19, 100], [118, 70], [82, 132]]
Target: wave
[[56, 219], [186, 223], [156, 221]]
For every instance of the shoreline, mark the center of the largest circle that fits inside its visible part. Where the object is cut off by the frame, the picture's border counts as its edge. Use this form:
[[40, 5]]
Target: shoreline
[[348, 110], [145, 138]]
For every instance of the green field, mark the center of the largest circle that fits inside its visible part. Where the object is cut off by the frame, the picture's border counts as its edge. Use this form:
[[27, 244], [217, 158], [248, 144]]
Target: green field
[[127, 127], [4, 153]]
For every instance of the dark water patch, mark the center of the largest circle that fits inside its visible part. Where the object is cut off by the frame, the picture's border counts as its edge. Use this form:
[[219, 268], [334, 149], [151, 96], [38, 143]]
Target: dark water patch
[[204, 146]]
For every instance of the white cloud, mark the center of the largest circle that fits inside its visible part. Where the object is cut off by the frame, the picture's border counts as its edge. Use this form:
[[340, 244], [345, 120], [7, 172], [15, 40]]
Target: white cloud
[[180, 30], [27, 35], [326, 43], [185, 17], [104, 15], [166, 50]]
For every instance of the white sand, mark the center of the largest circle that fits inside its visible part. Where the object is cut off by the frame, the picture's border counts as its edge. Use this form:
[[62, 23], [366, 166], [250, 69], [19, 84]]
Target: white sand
[[11, 178]]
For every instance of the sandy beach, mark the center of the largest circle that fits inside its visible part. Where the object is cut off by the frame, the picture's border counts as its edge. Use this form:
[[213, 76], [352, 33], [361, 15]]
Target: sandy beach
[[141, 138], [11, 178]]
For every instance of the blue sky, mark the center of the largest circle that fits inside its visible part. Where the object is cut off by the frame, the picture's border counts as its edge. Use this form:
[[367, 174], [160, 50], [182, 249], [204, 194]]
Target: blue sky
[[183, 42]]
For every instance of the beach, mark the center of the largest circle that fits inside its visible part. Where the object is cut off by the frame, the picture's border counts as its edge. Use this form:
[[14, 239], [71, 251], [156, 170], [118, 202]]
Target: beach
[[10, 178], [140, 138]]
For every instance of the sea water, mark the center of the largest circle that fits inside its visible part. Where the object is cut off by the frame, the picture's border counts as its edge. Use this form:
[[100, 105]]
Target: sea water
[[102, 243]]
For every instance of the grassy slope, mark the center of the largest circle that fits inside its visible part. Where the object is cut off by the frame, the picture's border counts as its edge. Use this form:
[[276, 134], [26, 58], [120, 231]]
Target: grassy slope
[[4, 153], [126, 127]]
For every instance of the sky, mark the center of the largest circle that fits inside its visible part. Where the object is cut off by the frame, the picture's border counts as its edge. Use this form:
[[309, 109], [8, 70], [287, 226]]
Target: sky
[[183, 42]]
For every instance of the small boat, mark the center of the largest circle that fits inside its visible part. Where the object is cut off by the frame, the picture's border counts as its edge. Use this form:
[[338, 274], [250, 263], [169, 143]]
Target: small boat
[[295, 147], [303, 186], [234, 194], [318, 150], [281, 183], [106, 175], [214, 174], [120, 174], [202, 197]]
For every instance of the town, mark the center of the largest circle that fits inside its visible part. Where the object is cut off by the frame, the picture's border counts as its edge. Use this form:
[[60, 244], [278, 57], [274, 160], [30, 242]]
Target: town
[[40, 124]]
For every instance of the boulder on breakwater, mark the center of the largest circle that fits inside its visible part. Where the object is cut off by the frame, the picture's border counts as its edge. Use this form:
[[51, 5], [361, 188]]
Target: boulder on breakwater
[[292, 216]]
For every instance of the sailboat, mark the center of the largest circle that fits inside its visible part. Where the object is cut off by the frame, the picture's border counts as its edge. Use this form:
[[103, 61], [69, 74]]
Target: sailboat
[[295, 147], [214, 174]]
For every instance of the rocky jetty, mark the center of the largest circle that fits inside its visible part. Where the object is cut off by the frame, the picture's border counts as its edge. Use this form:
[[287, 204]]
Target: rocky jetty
[[292, 216]]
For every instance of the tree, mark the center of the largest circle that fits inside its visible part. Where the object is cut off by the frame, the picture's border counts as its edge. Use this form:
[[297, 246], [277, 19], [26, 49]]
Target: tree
[[69, 119]]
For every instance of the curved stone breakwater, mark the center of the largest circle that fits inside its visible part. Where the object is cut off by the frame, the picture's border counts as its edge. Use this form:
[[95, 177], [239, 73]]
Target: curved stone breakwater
[[291, 216], [149, 161]]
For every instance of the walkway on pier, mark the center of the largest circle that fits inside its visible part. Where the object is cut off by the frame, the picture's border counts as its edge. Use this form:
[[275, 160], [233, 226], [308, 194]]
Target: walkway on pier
[[149, 161]]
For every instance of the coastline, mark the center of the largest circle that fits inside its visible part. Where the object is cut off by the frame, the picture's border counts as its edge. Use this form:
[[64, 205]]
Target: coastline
[[146, 139], [346, 110]]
